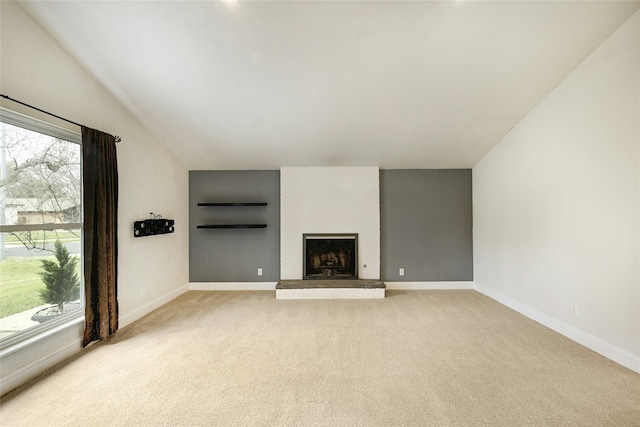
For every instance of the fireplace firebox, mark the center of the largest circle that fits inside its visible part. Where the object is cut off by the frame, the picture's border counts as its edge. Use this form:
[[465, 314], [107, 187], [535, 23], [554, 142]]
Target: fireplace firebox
[[330, 256]]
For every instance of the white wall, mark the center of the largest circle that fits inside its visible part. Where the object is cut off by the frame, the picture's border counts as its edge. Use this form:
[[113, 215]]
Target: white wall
[[329, 200], [152, 270], [557, 205]]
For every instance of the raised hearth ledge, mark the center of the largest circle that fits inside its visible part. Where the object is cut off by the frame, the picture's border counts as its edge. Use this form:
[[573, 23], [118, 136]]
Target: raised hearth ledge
[[330, 289]]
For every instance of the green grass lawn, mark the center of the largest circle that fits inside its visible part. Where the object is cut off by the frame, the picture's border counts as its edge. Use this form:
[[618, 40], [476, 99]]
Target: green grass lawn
[[19, 284]]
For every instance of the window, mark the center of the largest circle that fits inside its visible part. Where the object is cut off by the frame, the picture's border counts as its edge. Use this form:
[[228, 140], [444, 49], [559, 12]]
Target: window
[[41, 280]]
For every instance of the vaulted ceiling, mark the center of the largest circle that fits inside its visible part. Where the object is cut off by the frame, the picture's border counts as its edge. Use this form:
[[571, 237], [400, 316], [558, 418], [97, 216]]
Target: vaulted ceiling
[[266, 84]]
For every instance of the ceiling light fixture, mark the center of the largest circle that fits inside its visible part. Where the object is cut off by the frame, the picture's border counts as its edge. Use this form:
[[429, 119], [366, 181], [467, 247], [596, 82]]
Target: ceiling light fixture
[[233, 5]]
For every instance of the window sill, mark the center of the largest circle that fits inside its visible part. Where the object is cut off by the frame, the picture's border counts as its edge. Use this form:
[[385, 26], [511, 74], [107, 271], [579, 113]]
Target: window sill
[[16, 343]]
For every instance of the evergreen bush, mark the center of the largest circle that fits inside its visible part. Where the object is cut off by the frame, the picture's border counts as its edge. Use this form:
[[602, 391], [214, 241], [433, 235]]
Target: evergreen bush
[[61, 280]]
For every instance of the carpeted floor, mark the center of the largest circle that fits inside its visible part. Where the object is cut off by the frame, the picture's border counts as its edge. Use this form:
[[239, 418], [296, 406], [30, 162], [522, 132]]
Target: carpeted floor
[[416, 358]]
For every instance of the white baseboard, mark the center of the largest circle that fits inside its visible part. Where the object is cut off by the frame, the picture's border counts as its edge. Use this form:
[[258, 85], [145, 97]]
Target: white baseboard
[[428, 285], [148, 308], [270, 286], [594, 343], [330, 293], [232, 286]]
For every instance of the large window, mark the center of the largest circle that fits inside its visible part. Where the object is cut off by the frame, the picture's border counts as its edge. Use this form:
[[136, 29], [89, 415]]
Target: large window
[[41, 281]]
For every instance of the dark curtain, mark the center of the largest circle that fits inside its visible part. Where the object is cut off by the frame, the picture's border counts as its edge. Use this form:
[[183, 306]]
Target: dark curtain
[[100, 197]]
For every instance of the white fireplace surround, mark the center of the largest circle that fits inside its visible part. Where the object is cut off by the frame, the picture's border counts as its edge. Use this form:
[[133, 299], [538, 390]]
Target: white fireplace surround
[[329, 200]]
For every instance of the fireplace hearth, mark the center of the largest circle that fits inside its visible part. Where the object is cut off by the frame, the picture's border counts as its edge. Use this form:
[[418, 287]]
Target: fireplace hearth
[[330, 256]]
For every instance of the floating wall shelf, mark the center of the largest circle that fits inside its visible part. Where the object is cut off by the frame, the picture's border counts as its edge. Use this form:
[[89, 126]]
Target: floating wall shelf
[[232, 226], [234, 204]]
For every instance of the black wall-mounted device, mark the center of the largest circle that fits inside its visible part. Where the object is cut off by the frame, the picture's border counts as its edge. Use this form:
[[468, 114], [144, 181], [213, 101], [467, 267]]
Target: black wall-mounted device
[[151, 227]]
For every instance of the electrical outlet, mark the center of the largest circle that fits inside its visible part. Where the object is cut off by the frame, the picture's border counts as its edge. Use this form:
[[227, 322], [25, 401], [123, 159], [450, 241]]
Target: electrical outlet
[[259, 271], [401, 271], [574, 310]]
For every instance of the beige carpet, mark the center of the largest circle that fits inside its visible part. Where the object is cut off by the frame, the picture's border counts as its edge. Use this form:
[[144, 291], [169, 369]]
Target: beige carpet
[[416, 358]]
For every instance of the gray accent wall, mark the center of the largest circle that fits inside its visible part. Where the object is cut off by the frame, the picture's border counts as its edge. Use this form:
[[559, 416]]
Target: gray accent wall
[[426, 225], [234, 255]]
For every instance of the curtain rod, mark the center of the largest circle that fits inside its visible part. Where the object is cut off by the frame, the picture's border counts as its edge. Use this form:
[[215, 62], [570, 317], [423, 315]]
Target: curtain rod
[[117, 138]]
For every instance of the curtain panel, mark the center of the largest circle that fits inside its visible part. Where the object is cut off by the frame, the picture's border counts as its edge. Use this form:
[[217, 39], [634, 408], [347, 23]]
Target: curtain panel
[[100, 198]]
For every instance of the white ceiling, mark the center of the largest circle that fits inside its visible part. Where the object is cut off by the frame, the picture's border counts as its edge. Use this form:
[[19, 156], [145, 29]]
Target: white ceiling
[[261, 85]]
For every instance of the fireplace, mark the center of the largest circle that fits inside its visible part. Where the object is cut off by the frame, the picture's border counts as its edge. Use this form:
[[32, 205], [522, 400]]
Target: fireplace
[[330, 256]]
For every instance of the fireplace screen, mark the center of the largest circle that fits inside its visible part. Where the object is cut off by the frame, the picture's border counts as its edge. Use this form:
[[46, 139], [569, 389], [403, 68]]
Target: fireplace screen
[[330, 256]]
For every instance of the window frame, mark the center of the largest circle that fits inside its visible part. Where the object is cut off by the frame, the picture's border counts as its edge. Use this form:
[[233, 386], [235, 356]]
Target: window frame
[[27, 336]]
